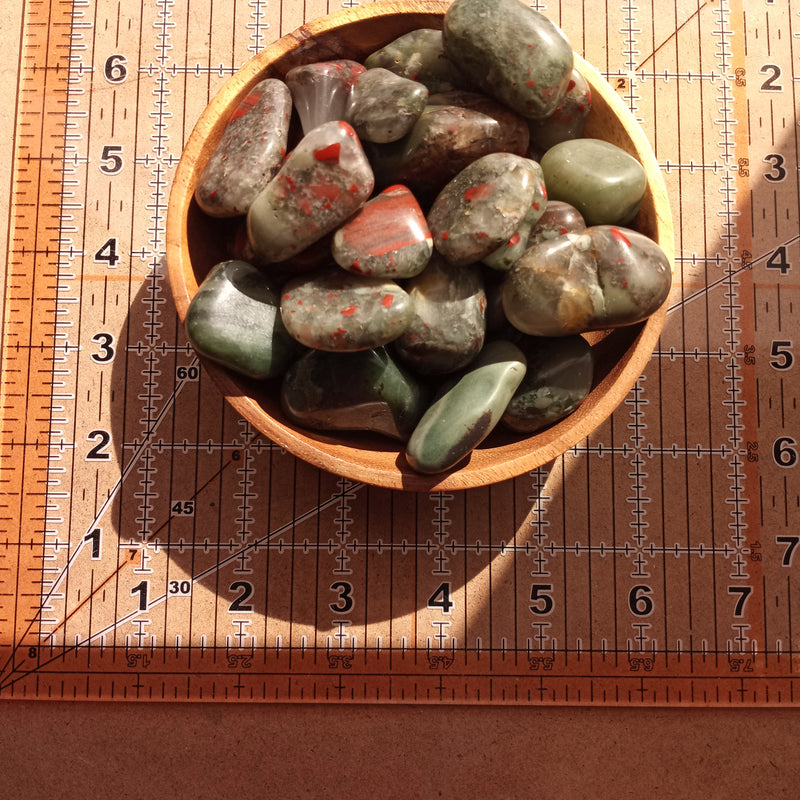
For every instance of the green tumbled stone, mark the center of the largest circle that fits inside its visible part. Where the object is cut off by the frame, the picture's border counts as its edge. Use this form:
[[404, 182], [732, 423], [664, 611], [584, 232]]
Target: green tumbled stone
[[419, 56], [512, 52], [383, 107], [466, 409], [364, 391], [341, 312], [234, 319], [558, 379], [601, 180], [448, 325], [602, 278]]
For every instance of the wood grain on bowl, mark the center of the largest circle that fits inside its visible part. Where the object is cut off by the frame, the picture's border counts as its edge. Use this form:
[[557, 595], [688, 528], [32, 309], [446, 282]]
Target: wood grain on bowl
[[195, 243]]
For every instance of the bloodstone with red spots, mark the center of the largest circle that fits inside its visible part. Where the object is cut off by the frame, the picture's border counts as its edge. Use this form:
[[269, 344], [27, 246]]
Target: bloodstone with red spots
[[482, 207], [249, 153], [340, 312], [605, 277], [388, 237], [323, 182]]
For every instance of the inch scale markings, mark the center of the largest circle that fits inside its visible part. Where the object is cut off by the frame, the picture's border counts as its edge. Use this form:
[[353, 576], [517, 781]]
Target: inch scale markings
[[199, 562]]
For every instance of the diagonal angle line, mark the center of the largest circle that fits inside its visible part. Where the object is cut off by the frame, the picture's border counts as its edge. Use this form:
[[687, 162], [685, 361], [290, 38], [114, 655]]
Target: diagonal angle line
[[728, 275], [111, 495], [671, 36], [195, 578]]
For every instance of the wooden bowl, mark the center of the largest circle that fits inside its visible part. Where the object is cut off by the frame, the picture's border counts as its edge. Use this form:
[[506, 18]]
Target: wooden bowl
[[196, 242]]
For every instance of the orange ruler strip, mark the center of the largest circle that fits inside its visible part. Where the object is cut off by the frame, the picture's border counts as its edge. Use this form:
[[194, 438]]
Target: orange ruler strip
[[154, 546]]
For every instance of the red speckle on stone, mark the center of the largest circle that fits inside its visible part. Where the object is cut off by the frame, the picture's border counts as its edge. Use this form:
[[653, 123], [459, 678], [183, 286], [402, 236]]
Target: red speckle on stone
[[330, 153], [353, 188], [620, 236], [543, 190], [305, 206], [483, 235], [212, 195], [624, 283], [415, 76], [563, 230], [327, 191], [349, 311], [286, 296], [445, 235], [388, 299], [570, 86], [530, 83], [340, 330], [514, 239], [479, 192], [535, 204], [246, 105]]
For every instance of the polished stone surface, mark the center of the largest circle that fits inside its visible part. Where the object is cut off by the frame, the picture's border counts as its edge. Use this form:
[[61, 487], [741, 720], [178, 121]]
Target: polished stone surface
[[448, 325], [512, 52], [558, 379], [558, 218], [364, 391], [466, 409], [419, 56], [342, 312], [388, 237], [510, 252], [383, 107], [320, 90], [234, 319], [479, 209], [601, 180], [249, 153], [322, 182], [568, 121], [604, 277], [446, 139]]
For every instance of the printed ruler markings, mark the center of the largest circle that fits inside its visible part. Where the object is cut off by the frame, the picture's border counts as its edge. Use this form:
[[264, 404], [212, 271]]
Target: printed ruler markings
[[27, 392], [341, 687]]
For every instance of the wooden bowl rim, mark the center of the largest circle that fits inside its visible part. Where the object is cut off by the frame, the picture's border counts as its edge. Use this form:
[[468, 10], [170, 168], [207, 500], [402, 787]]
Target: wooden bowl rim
[[485, 466]]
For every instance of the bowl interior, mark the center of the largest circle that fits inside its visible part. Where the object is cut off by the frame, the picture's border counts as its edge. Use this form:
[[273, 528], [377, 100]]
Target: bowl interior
[[196, 242]]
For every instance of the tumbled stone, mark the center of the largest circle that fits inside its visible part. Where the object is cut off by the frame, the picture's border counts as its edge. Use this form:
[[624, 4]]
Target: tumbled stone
[[482, 206], [505, 256], [249, 153], [558, 379], [322, 182], [602, 278], [512, 52], [601, 180], [448, 325], [388, 237], [445, 140], [341, 312], [320, 90], [567, 121], [383, 107], [558, 218], [419, 56], [234, 319], [363, 391], [466, 409]]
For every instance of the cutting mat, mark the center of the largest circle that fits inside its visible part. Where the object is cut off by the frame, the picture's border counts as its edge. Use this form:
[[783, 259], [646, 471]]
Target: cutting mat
[[154, 546]]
